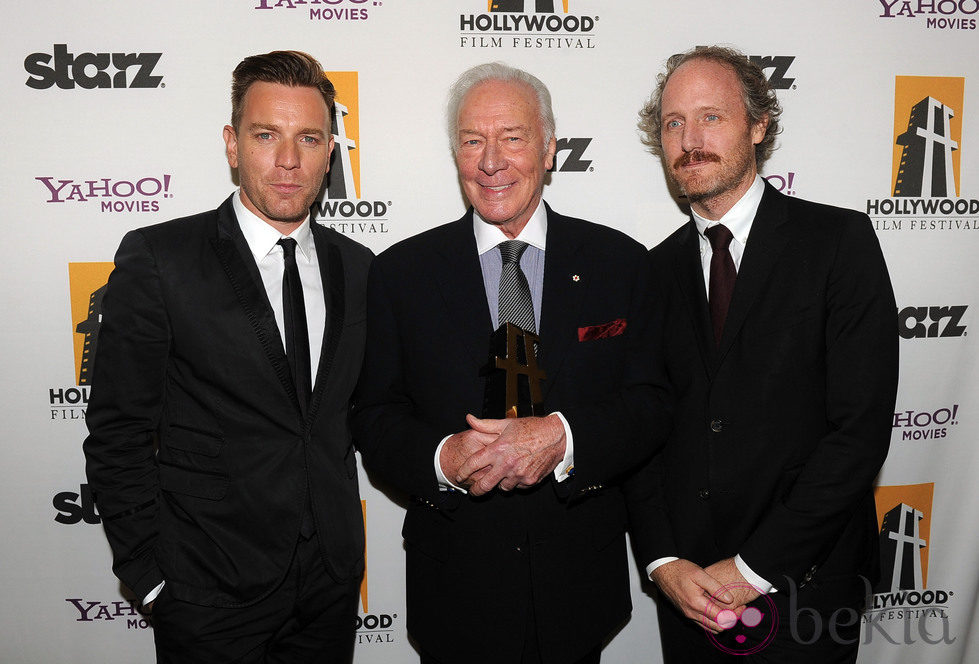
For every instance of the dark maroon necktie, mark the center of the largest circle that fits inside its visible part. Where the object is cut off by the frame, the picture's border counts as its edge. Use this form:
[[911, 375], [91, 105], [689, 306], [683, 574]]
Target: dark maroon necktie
[[722, 276]]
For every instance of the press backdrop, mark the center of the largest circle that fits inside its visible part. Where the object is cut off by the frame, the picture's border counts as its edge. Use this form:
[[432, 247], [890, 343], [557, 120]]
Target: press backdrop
[[112, 120]]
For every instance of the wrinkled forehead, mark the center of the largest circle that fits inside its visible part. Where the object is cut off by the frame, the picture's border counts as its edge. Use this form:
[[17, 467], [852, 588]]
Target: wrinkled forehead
[[499, 96], [703, 83]]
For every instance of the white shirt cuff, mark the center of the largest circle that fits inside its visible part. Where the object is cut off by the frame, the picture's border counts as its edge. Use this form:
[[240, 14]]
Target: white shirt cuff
[[444, 483], [658, 563], [565, 469], [153, 594], [760, 584]]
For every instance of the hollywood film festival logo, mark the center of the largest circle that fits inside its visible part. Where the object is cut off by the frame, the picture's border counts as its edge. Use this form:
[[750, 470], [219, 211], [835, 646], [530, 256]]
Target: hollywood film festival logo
[[87, 282], [372, 628], [528, 24], [946, 15], [344, 208], [331, 11], [904, 607], [926, 167]]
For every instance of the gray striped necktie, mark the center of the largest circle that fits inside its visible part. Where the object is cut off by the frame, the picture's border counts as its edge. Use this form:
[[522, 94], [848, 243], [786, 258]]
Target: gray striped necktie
[[516, 305]]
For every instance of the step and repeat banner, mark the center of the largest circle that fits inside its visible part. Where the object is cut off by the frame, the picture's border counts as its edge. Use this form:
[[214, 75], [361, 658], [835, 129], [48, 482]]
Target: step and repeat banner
[[113, 115]]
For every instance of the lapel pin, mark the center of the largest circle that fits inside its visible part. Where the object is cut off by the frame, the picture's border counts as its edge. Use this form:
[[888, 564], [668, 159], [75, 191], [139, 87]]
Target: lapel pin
[[575, 278]]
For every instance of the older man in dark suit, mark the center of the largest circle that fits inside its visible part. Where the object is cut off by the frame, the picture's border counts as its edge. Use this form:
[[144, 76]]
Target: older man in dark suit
[[231, 343], [757, 519], [530, 565]]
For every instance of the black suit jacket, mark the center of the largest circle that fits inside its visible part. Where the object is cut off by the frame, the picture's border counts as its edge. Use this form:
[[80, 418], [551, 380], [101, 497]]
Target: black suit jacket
[[467, 558], [190, 361], [781, 429]]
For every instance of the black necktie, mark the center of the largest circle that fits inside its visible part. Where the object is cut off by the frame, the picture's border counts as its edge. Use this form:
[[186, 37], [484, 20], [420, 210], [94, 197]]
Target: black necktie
[[722, 276], [516, 305], [294, 312]]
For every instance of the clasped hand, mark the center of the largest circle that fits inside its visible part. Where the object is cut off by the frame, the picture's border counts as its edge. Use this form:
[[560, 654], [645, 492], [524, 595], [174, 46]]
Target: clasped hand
[[510, 453], [702, 595]]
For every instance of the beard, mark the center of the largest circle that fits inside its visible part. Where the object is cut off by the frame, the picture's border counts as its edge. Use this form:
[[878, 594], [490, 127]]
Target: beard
[[731, 173]]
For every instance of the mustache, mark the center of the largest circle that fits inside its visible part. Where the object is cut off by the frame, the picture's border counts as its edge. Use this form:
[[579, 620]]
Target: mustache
[[696, 155]]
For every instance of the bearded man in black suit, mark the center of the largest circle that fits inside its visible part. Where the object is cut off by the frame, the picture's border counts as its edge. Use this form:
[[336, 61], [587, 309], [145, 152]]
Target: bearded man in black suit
[[781, 348]]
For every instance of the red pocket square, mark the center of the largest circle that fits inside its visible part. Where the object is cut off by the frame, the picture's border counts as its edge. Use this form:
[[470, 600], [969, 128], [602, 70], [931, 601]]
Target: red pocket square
[[611, 329]]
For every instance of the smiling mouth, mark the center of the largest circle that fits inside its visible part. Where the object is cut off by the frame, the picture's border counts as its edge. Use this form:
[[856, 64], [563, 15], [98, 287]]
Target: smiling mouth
[[496, 188]]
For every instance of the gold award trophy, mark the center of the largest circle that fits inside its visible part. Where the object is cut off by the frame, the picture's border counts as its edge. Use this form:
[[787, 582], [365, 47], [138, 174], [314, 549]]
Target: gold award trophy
[[512, 375]]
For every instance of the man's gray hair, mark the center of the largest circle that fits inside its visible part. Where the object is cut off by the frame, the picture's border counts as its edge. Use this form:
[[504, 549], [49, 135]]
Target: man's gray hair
[[498, 71]]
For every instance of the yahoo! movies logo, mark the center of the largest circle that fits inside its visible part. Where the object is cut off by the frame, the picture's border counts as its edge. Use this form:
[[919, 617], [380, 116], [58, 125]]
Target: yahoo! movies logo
[[99, 612], [92, 70], [345, 209], [528, 24], [925, 424], [110, 194], [332, 11], [926, 173], [784, 182], [904, 514], [935, 14]]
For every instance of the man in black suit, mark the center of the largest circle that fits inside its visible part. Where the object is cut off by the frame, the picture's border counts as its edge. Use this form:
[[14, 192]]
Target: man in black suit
[[781, 348], [529, 564], [231, 342]]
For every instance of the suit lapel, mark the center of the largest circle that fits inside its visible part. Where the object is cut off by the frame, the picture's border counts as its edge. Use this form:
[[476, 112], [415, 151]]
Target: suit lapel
[[334, 290], [690, 277], [766, 240], [236, 258], [562, 295], [462, 289]]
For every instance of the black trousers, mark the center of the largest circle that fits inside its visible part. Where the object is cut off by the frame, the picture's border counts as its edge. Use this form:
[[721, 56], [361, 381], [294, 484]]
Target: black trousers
[[308, 618]]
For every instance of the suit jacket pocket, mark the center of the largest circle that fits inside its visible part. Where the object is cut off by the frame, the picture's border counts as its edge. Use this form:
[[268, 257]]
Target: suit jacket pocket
[[426, 531], [194, 441], [193, 451]]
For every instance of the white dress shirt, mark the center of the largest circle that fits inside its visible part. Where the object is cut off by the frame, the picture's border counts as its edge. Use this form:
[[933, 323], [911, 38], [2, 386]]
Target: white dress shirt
[[738, 220]]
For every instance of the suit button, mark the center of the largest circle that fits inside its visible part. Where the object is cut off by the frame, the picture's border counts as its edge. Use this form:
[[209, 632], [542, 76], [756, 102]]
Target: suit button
[[704, 494], [716, 426]]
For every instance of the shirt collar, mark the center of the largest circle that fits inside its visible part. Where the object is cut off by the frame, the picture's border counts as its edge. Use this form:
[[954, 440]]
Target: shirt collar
[[489, 236], [262, 238], [738, 219]]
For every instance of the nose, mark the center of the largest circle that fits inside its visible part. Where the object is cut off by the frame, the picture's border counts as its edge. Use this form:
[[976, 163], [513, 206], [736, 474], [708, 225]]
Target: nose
[[492, 159], [693, 137], [287, 156]]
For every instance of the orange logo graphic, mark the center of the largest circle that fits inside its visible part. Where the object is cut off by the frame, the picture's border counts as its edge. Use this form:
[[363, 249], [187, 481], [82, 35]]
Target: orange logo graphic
[[927, 136], [87, 286]]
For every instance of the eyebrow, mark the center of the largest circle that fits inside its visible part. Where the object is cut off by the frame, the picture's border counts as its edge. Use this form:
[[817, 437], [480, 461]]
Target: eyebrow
[[272, 127]]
